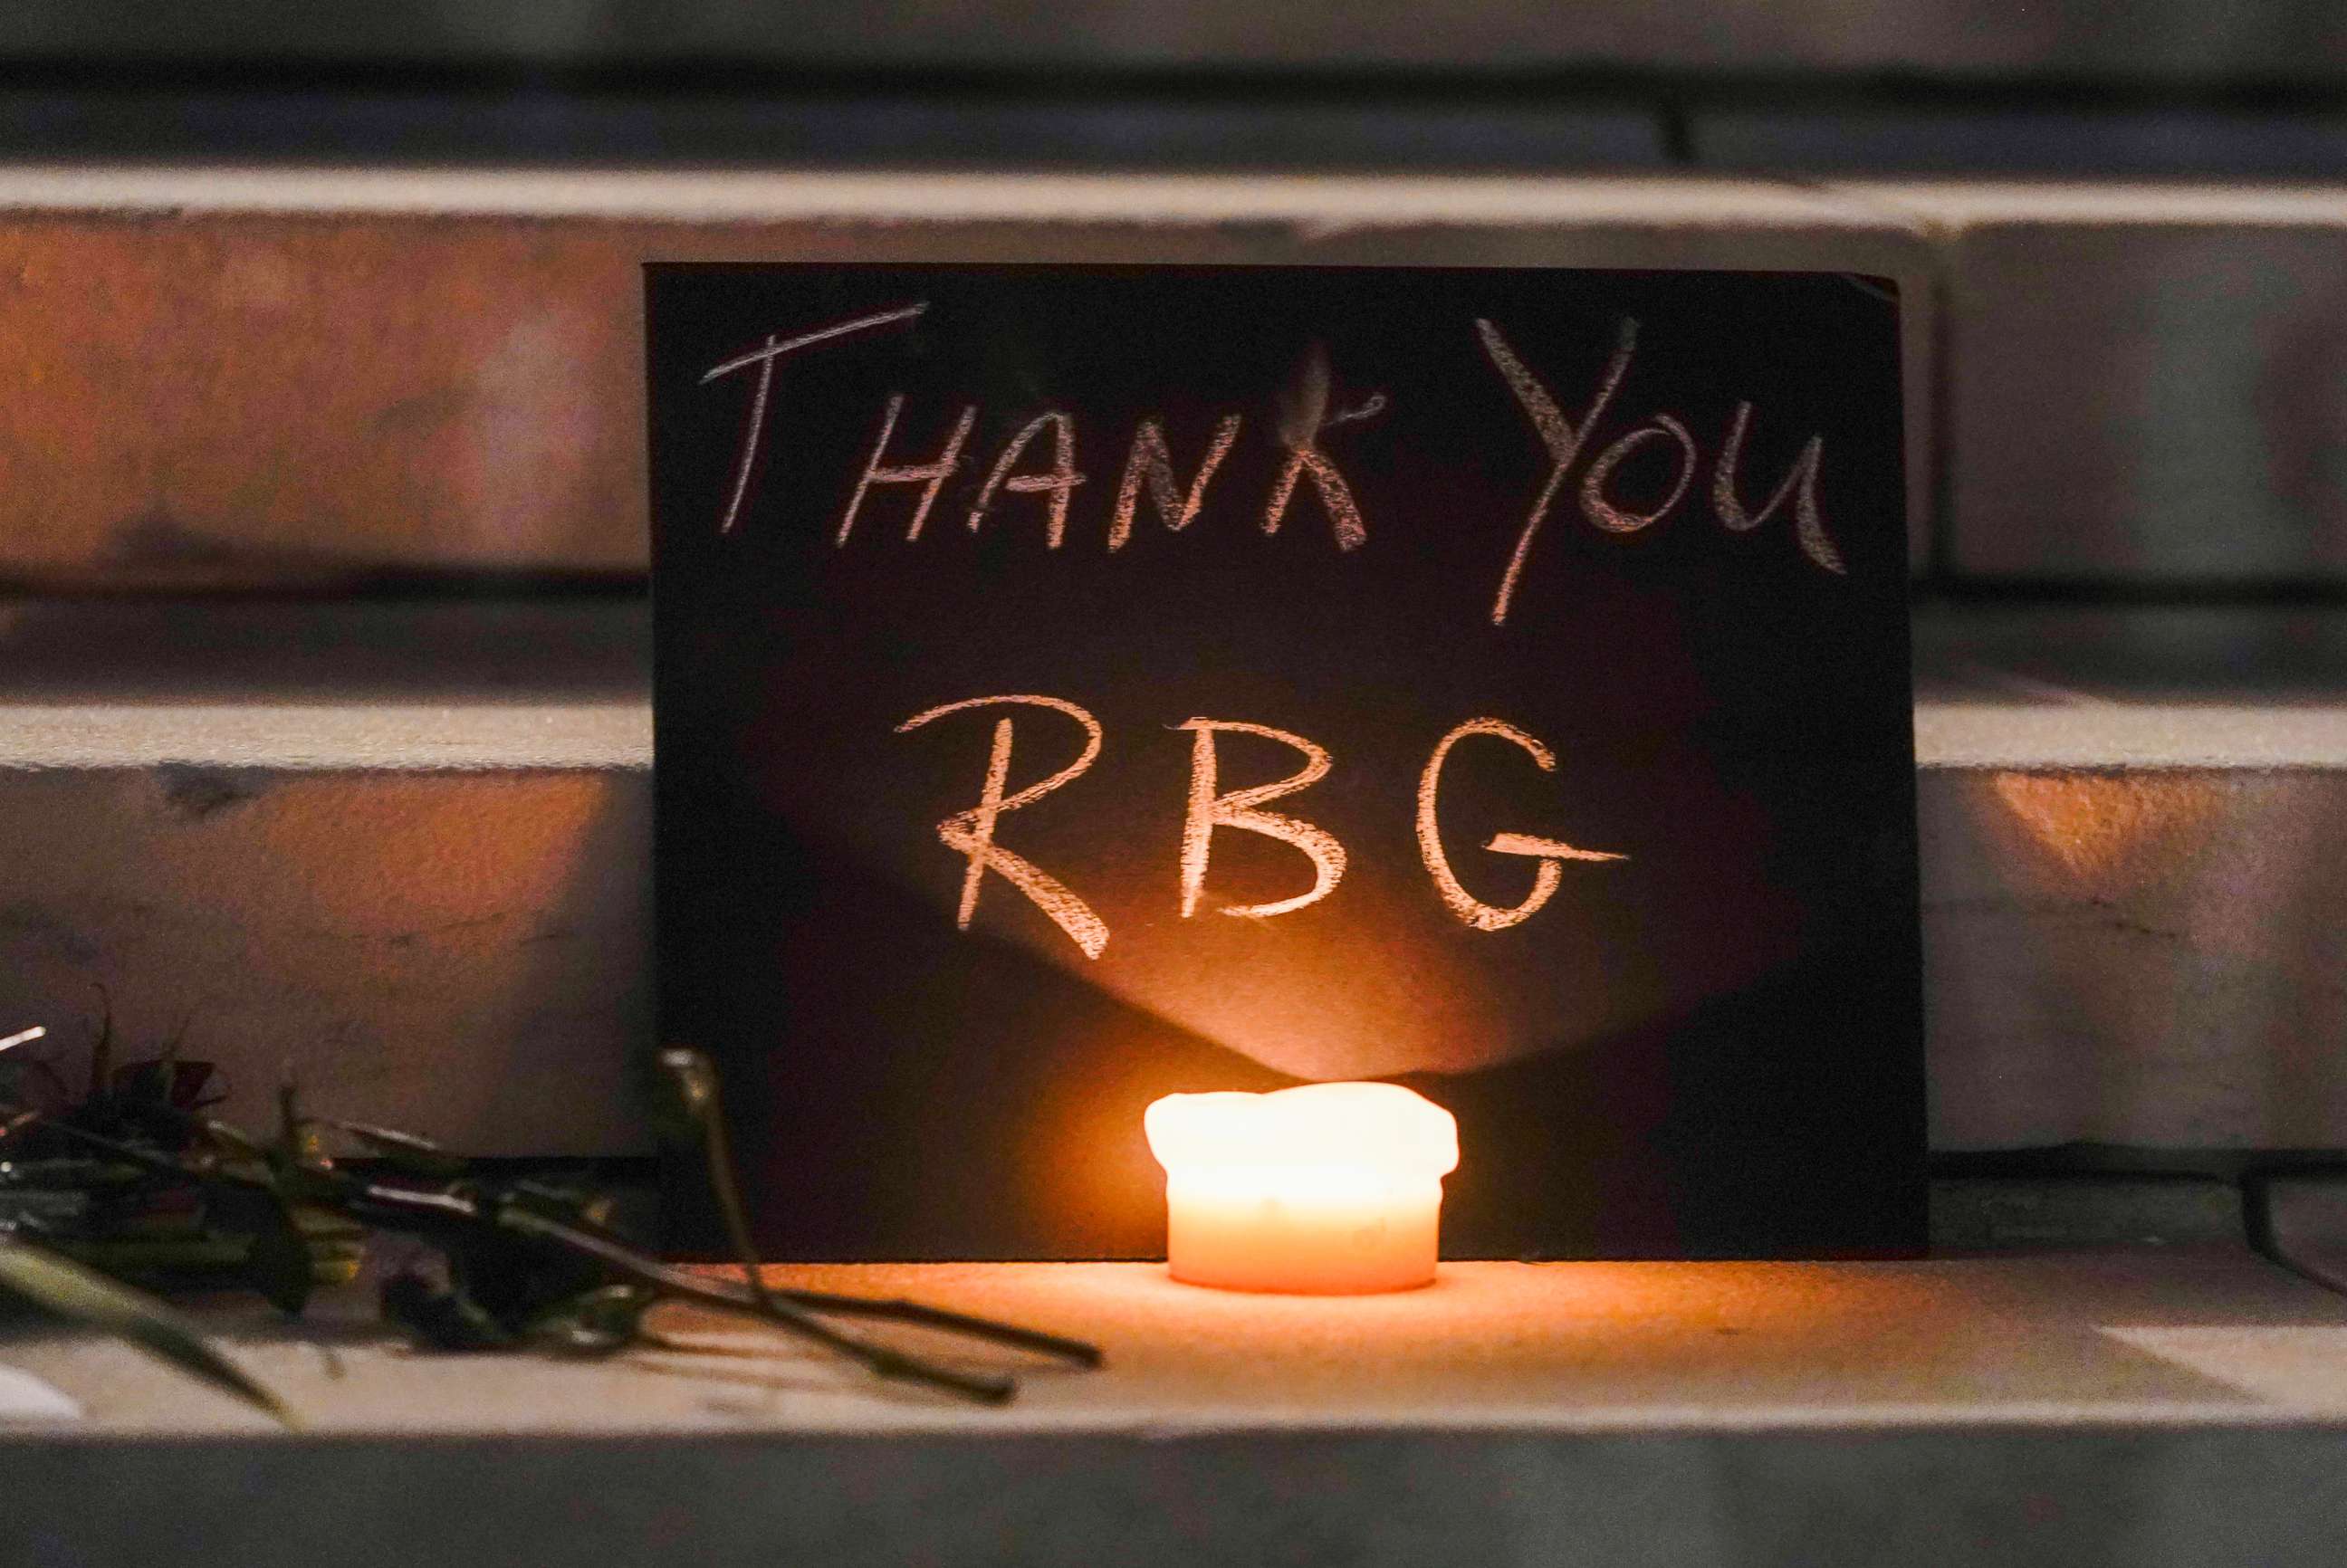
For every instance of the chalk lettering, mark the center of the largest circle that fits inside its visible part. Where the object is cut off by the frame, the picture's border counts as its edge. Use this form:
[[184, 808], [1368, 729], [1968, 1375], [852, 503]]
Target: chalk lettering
[[1561, 437], [1208, 810], [1303, 417], [932, 476], [1801, 482], [970, 834], [764, 357], [1151, 462], [1058, 480], [1616, 519], [1335, 496], [1549, 852]]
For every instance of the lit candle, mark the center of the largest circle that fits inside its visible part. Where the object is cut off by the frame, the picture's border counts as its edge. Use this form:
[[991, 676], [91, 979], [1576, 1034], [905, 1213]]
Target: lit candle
[[1327, 1189]]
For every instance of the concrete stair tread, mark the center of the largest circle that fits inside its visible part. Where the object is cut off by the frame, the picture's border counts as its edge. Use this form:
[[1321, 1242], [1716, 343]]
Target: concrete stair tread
[[511, 683], [1669, 1411], [307, 736], [763, 196], [2224, 687], [366, 732], [1554, 1348]]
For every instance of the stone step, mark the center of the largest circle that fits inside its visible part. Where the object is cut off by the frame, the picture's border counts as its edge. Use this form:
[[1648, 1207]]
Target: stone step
[[2144, 1405], [186, 407], [424, 882], [2118, 367]]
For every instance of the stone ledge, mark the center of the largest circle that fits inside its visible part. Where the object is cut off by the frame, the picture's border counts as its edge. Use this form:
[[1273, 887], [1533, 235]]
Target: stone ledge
[[200, 420], [2169, 1406], [2116, 1336], [1305, 203]]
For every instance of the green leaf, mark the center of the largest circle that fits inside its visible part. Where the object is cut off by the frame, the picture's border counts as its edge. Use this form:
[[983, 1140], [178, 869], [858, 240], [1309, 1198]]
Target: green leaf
[[85, 1296]]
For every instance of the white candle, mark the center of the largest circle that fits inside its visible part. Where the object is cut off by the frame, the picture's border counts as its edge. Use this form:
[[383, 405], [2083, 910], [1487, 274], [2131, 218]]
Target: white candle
[[1327, 1189]]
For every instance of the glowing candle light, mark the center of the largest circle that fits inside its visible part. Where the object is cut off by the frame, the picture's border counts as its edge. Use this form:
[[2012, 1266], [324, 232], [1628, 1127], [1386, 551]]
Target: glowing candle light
[[1327, 1189]]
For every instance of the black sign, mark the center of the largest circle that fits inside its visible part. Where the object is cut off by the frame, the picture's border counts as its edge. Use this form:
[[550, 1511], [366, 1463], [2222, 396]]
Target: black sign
[[1079, 684]]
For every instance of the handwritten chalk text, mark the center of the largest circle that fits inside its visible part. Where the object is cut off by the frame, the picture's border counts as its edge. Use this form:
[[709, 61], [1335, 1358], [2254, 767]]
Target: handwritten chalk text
[[1564, 442], [973, 834], [970, 834], [1041, 459]]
